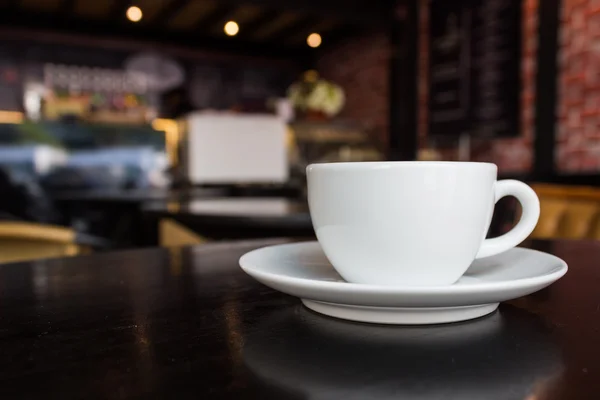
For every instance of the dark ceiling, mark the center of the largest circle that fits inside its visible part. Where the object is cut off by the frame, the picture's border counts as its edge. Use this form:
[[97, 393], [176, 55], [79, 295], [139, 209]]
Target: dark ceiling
[[276, 28]]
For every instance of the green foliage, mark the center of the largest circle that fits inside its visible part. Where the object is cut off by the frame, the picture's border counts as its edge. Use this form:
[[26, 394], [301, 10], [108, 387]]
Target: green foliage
[[33, 132]]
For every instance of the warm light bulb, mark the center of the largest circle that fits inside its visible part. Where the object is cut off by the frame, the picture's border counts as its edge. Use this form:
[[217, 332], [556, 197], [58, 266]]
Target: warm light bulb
[[314, 40], [231, 28], [134, 14]]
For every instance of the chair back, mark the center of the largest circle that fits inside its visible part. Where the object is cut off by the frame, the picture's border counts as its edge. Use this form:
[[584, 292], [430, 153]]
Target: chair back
[[568, 212], [24, 241]]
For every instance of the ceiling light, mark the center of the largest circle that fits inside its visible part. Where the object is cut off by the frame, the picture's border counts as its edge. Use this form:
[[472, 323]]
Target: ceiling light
[[134, 14], [231, 28], [314, 40]]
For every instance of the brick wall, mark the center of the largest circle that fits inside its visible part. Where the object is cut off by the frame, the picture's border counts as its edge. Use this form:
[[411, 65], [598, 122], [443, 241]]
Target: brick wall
[[578, 133], [361, 67]]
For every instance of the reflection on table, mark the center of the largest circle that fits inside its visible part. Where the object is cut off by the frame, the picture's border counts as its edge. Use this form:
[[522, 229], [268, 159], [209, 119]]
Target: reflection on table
[[325, 358]]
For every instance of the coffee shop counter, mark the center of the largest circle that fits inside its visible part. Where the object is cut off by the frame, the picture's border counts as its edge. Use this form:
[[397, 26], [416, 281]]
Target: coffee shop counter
[[116, 214], [194, 221]]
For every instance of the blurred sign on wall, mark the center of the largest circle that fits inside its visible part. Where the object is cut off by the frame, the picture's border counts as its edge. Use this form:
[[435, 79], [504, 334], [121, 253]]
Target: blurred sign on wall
[[474, 72]]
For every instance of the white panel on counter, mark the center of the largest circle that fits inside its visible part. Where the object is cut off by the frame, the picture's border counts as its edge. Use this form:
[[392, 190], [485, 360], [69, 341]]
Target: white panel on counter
[[236, 148]]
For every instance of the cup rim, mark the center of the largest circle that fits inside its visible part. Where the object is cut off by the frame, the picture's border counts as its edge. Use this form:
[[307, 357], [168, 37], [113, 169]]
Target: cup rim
[[374, 165]]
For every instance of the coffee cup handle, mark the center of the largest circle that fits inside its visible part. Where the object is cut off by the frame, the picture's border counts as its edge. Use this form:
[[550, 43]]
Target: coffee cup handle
[[529, 217]]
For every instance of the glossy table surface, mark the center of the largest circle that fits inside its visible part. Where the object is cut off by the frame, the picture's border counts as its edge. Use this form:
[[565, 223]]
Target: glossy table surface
[[189, 324]]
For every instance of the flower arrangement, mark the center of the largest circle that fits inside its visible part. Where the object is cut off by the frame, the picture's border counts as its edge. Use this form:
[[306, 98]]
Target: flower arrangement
[[316, 95]]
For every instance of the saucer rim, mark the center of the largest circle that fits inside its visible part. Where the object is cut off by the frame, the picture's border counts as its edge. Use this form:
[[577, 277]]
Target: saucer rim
[[553, 275]]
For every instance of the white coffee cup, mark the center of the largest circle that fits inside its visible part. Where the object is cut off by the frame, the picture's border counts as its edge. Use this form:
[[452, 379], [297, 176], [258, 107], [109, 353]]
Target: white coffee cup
[[411, 223]]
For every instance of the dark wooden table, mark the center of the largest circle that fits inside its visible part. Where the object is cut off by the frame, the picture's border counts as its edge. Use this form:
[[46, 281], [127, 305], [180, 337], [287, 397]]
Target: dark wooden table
[[237, 217], [188, 324]]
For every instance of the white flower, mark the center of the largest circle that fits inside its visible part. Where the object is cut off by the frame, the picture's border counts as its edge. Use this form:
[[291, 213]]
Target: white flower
[[296, 96], [323, 96], [335, 100]]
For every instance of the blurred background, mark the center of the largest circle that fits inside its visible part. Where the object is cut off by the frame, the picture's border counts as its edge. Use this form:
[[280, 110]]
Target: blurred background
[[136, 123]]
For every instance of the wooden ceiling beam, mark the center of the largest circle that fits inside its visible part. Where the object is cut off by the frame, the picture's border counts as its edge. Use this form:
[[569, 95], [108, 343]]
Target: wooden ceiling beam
[[253, 26], [217, 16], [283, 20], [297, 27], [362, 12], [169, 11], [117, 32], [118, 9]]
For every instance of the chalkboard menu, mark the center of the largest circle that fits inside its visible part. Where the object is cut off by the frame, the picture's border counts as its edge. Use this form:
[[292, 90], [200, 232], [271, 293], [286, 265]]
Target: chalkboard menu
[[474, 73]]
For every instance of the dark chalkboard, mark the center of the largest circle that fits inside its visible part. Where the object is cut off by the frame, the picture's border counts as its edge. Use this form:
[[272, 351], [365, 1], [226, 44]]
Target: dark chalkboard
[[474, 72]]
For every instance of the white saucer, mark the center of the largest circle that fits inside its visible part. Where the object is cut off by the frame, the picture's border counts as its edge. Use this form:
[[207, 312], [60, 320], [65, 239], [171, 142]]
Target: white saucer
[[302, 270]]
